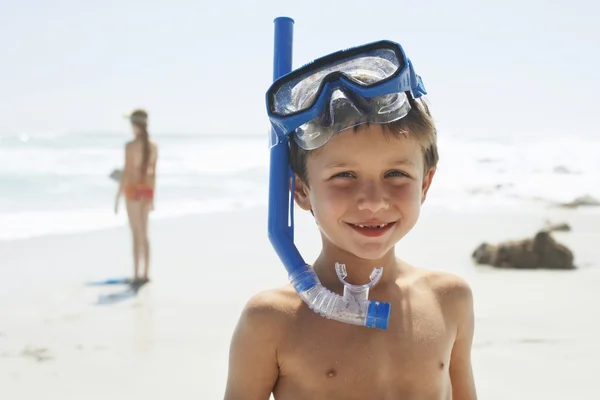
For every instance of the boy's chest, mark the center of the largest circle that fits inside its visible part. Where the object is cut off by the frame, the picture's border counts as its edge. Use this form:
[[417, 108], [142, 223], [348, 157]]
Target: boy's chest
[[331, 357]]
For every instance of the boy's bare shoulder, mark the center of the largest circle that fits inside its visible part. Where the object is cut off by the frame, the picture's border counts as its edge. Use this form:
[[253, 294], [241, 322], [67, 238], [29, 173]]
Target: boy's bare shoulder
[[255, 343], [273, 308], [281, 299], [446, 284], [452, 292]]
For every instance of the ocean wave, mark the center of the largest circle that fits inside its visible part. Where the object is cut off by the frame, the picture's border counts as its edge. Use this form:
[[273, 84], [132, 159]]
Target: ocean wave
[[66, 175], [29, 224]]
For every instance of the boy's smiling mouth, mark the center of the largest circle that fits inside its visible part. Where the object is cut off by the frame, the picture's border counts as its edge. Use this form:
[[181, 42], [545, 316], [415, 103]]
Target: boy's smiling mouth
[[372, 229]]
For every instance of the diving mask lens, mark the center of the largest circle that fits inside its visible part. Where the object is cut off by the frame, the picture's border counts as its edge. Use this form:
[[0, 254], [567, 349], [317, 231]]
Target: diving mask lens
[[363, 69], [340, 115]]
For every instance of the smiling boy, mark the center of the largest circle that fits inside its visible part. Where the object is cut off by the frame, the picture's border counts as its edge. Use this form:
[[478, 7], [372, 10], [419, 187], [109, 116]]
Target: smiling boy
[[365, 180]]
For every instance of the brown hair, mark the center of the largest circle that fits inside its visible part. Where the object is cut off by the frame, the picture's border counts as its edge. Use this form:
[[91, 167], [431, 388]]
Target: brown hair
[[139, 118], [417, 124]]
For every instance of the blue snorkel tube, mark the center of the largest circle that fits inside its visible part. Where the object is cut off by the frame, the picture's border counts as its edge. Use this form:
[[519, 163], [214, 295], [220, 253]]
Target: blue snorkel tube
[[353, 307]]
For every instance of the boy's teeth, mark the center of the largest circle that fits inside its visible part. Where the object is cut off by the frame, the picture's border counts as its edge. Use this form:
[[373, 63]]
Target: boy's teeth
[[371, 226]]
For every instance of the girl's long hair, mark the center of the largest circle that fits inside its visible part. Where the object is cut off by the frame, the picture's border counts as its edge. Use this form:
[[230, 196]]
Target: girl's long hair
[[140, 119], [145, 149]]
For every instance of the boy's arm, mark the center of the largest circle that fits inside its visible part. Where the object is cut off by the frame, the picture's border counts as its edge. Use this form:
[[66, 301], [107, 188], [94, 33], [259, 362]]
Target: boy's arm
[[253, 367], [461, 371]]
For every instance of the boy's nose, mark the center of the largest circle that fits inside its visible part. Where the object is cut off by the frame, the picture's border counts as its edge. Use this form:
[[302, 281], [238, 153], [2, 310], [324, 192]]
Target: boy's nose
[[372, 197]]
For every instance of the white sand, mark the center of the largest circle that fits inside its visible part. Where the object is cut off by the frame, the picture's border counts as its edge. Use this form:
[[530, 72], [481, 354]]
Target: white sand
[[536, 331]]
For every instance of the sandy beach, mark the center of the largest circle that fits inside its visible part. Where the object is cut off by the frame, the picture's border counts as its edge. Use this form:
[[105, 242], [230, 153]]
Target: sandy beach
[[536, 331]]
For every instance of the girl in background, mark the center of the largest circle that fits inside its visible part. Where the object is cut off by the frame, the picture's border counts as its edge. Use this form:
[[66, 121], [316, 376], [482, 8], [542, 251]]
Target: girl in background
[[137, 184]]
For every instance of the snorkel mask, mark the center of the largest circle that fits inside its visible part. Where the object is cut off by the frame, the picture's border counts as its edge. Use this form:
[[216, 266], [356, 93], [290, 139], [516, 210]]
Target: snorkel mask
[[365, 84]]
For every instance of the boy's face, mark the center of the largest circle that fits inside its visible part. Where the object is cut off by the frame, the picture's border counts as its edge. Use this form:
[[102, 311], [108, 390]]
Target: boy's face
[[365, 178]]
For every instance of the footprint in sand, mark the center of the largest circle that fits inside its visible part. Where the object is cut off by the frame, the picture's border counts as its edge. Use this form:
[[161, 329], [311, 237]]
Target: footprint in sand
[[39, 354]]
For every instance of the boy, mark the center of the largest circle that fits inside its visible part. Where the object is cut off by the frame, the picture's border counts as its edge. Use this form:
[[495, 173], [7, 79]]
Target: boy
[[364, 177]]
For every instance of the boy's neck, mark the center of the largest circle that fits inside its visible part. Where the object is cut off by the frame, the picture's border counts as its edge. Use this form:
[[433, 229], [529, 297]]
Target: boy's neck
[[358, 269]]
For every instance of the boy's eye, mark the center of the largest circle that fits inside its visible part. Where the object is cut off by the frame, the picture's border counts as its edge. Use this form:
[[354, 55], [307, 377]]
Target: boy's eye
[[390, 174], [395, 174], [344, 175]]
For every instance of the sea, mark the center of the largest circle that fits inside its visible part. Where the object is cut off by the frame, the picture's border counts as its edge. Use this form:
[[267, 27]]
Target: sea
[[58, 182]]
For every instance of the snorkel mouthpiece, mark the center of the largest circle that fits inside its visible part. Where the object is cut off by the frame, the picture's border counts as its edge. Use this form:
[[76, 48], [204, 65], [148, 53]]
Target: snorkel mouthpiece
[[353, 307]]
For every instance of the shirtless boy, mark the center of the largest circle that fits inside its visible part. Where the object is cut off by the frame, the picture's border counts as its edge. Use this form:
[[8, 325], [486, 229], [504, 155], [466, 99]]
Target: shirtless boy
[[364, 178]]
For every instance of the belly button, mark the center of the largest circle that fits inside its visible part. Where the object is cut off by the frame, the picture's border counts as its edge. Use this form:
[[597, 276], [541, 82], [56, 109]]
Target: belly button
[[441, 365], [331, 373]]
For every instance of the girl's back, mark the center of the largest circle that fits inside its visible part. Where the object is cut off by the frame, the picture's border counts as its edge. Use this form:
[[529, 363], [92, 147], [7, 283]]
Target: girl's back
[[135, 154]]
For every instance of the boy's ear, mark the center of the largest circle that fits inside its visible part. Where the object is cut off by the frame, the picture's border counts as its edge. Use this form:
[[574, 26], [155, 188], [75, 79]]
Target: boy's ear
[[301, 194], [427, 184]]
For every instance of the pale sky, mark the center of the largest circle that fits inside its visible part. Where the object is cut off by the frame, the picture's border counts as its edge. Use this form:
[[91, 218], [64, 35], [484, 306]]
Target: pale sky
[[524, 67]]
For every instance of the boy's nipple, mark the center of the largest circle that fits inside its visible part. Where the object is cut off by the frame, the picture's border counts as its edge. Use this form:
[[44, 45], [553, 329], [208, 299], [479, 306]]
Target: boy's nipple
[[331, 373]]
